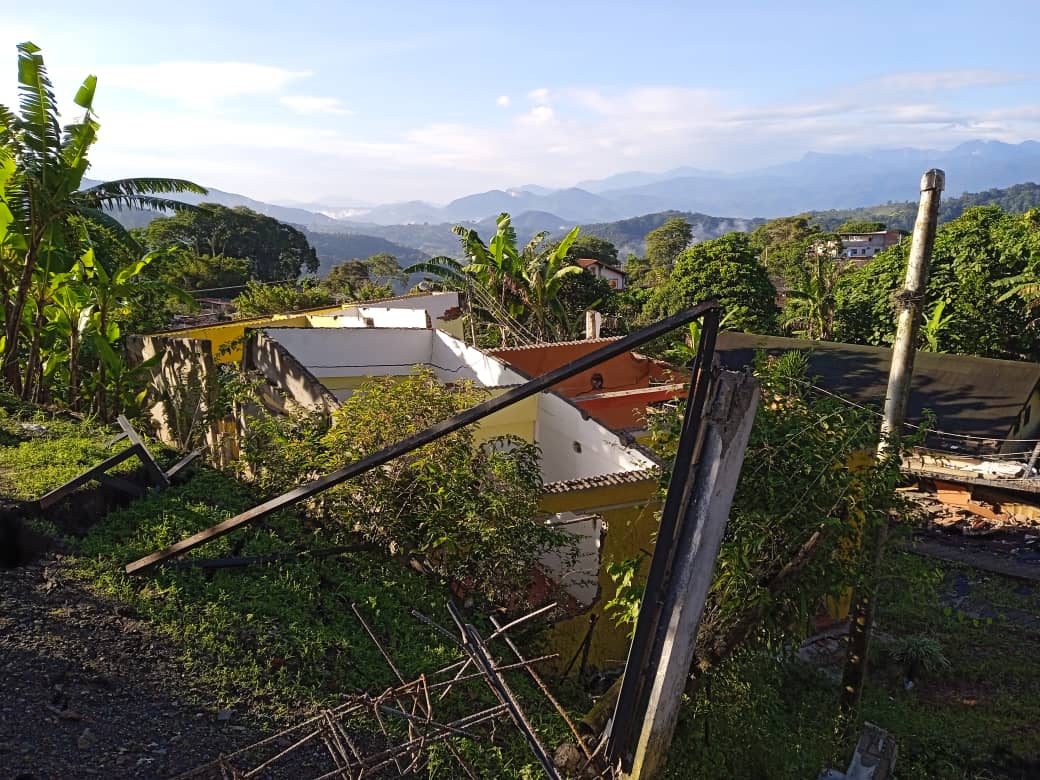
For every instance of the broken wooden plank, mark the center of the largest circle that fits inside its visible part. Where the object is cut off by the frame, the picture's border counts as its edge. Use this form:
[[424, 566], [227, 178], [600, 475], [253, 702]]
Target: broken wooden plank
[[182, 464], [431, 434], [91, 475], [154, 471]]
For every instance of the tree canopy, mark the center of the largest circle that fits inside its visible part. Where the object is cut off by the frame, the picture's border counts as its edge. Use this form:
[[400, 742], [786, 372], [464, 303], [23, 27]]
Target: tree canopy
[[972, 255], [274, 250], [725, 268], [664, 244]]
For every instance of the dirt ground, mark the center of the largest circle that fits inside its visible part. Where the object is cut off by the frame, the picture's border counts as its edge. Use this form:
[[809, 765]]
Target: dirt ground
[[86, 690]]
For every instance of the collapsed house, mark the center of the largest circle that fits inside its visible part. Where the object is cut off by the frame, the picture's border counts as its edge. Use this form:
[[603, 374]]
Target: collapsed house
[[598, 481]]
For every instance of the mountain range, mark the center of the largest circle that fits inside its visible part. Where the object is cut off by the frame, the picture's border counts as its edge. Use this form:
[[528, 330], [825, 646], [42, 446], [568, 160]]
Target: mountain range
[[624, 206], [816, 181]]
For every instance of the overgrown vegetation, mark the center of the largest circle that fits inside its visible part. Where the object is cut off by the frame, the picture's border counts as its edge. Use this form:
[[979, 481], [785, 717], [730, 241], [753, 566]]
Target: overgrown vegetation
[[465, 509]]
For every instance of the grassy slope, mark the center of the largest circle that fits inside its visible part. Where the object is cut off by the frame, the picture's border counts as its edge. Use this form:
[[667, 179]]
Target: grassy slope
[[978, 719], [279, 640]]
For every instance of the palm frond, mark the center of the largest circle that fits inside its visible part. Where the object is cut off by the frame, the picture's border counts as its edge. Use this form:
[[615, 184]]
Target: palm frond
[[39, 122], [446, 268], [139, 194]]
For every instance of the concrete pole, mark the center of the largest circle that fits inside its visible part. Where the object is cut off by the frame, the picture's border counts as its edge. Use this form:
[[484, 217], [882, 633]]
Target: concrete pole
[[729, 422], [911, 302]]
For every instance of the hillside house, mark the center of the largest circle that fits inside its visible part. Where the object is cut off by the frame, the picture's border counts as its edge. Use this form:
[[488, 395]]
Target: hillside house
[[861, 247], [615, 276]]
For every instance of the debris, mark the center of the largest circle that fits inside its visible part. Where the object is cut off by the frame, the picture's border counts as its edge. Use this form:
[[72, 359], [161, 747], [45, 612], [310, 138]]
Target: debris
[[99, 473], [223, 714], [403, 715]]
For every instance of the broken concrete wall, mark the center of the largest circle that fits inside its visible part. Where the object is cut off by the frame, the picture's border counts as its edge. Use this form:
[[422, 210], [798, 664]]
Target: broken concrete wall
[[183, 393], [265, 355]]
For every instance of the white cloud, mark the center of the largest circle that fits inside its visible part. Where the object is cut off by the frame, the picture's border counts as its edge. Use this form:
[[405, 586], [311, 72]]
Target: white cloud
[[924, 80], [503, 101], [199, 84], [539, 96], [565, 134], [310, 105]]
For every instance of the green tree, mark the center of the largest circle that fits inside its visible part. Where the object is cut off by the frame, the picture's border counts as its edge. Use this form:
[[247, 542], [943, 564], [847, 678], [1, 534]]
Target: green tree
[[811, 302], [42, 194], [187, 270], [666, 243], [466, 510], [972, 254], [346, 277], [384, 268], [260, 299], [725, 268], [860, 226], [787, 246], [274, 250]]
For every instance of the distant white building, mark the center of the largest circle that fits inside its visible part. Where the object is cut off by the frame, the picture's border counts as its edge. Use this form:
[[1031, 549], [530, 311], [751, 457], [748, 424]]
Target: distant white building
[[615, 276], [863, 246]]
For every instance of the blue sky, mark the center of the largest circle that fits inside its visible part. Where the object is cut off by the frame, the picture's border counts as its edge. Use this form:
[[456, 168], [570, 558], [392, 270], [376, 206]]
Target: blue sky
[[347, 102]]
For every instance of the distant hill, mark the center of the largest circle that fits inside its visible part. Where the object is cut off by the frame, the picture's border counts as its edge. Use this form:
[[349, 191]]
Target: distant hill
[[815, 181], [334, 248], [628, 234], [294, 216], [1016, 199]]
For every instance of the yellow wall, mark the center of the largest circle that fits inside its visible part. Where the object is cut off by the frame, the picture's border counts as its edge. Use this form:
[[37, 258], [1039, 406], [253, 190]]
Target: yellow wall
[[629, 512], [227, 337]]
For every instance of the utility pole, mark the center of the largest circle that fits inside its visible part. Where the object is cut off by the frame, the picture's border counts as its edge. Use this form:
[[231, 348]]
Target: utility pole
[[715, 471], [910, 301]]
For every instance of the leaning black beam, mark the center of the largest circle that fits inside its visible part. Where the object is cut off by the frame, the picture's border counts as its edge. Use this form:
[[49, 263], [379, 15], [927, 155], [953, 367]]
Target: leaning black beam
[[431, 434], [59, 493]]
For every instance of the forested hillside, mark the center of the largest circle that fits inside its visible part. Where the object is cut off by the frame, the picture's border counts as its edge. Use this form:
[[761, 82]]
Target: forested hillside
[[1017, 199]]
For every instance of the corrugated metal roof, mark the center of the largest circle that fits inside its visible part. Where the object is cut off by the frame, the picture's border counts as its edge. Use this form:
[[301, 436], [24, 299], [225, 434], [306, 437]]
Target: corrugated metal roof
[[970, 396]]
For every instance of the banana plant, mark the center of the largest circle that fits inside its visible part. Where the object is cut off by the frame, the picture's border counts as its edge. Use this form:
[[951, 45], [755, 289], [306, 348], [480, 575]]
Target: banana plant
[[69, 321], [44, 193], [933, 326], [542, 276], [109, 295]]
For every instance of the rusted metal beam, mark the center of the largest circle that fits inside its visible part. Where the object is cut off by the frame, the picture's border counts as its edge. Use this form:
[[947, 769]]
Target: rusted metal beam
[[431, 434]]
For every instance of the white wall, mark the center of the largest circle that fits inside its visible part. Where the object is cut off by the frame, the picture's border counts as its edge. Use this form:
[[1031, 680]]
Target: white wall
[[451, 353], [335, 352], [579, 577], [599, 450]]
